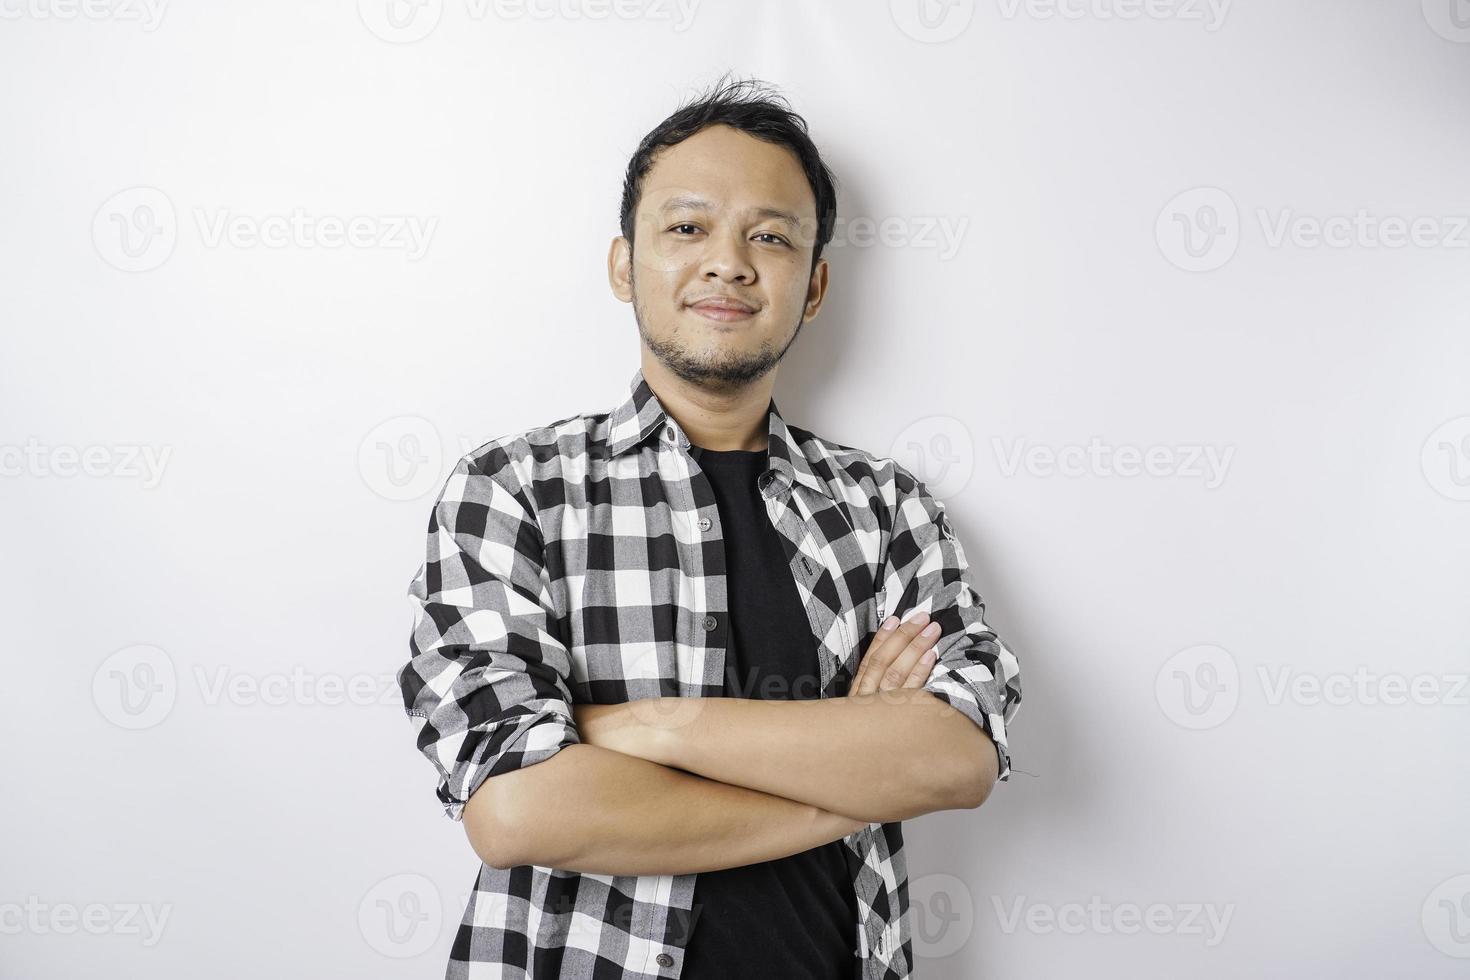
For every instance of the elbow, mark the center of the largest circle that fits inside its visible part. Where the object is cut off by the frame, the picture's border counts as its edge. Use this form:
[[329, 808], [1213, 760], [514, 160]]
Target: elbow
[[965, 773], [512, 819], [968, 792], [972, 777], [940, 789], [493, 833], [974, 791]]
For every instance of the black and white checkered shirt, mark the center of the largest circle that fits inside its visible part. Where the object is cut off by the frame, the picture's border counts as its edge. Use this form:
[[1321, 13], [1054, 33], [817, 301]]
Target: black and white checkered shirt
[[567, 564]]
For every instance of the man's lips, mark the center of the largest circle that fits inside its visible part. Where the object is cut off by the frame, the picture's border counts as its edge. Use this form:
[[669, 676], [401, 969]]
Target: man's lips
[[722, 310]]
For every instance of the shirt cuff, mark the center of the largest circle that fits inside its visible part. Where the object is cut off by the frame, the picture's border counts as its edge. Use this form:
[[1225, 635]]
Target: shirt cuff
[[505, 748], [974, 704]]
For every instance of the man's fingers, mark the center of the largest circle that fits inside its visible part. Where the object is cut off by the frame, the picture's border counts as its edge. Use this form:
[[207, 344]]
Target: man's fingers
[[885, 646], [866, 659], [922, 669], [869, 656], [889, 646], [907, 661]]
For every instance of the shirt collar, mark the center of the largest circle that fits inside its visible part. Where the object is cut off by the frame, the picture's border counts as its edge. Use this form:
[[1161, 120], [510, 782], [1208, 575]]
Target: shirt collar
[[641, 415]]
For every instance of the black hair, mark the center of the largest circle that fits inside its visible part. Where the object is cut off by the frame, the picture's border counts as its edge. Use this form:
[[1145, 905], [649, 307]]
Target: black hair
[[747, 106]]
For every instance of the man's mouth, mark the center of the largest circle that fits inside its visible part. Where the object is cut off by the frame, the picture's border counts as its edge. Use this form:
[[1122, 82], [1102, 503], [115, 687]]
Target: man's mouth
[[723, 310]]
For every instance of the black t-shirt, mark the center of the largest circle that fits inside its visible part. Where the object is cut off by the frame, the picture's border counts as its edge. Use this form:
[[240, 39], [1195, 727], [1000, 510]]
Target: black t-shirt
[[793, 917]]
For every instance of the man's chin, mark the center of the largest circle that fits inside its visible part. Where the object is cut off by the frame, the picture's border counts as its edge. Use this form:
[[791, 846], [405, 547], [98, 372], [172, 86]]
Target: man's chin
[[718, 375]]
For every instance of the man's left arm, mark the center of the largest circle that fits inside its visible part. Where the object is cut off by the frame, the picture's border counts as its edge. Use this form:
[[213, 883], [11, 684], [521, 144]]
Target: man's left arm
[[886, 756], [976, 673]]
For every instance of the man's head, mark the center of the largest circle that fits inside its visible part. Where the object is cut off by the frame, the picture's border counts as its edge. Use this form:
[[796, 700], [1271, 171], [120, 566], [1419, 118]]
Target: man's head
[[727, 201]]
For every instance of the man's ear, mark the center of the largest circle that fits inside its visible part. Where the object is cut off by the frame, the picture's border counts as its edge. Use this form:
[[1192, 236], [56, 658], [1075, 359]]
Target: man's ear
[[816, 291], [620, 268]]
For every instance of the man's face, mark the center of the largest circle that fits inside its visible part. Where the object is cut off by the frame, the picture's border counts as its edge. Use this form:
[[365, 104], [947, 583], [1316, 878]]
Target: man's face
[[710, 228]]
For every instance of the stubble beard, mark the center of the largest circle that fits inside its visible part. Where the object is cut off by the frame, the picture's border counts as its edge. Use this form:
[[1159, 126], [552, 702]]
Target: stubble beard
[[723, 371]]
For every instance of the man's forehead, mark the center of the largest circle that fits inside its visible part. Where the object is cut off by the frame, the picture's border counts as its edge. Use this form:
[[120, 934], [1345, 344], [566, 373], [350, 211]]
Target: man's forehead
[[726, 170]]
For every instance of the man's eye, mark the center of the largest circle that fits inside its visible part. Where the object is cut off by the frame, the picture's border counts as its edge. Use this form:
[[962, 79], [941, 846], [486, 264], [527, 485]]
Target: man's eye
[[677, 227], [771, 234]]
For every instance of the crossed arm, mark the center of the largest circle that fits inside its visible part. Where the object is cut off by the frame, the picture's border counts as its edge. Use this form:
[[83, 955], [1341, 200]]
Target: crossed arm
[[877, 757], [675, 785], [595, 809]]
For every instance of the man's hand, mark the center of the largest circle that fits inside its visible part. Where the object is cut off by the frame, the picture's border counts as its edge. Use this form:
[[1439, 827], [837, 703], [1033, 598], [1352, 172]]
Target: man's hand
[[899, 656]]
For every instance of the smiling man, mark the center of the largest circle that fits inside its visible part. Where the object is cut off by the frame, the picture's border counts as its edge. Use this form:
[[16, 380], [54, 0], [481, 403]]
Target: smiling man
[[682, 666]]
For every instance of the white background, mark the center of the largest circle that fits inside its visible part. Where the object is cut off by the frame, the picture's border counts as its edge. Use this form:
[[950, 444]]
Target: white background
[[174, 742]]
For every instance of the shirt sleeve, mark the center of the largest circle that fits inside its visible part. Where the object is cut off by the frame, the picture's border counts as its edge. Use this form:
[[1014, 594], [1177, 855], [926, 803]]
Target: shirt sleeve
[[926, 569], [487, 681]]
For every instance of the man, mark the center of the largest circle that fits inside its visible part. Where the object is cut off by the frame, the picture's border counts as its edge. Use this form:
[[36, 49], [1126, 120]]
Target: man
[[653, 661]]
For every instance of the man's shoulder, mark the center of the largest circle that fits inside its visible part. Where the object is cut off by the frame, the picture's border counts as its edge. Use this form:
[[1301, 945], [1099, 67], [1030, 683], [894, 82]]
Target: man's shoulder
[[850, 468], [538, 453]]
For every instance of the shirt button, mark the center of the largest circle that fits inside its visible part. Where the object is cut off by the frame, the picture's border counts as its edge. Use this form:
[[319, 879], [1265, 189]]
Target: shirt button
[[704, 523], [664, 959], [710, 622]]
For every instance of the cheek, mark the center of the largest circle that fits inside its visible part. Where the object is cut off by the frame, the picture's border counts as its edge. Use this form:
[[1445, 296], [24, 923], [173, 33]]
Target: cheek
[[658, 256], [789, 303], [660, 284]]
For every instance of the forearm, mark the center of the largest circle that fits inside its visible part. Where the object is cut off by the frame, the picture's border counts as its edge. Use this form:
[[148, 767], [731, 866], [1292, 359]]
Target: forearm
[[597, 810], [879, 757]]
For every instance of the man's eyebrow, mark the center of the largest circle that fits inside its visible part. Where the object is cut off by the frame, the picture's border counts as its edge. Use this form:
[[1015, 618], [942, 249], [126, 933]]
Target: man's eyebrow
[[689, 203]]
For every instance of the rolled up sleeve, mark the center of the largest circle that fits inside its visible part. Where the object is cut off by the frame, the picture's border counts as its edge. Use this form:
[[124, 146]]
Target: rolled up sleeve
[[486, 684], [926, 570]]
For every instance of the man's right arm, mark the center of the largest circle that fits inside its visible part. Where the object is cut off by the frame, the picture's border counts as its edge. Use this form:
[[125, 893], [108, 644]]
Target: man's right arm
[[596, 810]]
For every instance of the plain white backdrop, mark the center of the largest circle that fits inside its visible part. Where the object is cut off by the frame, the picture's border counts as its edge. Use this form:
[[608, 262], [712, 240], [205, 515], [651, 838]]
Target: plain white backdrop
[[1167, 300]]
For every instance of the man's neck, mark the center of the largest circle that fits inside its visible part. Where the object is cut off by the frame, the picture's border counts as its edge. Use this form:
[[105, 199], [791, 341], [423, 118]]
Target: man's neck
[[714, 420]]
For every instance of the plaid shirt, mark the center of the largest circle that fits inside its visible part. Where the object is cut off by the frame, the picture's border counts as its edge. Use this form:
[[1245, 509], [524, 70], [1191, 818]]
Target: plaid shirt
[[566, 564]]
